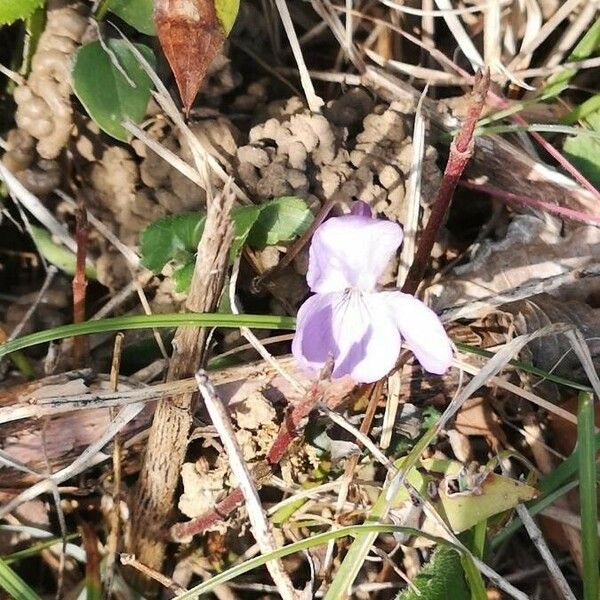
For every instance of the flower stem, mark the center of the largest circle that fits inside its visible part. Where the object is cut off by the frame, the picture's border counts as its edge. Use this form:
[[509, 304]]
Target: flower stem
[[461, 151]]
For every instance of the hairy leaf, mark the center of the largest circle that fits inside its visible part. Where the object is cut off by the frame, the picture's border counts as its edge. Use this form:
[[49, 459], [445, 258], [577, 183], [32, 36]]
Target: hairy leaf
[[440, 579]]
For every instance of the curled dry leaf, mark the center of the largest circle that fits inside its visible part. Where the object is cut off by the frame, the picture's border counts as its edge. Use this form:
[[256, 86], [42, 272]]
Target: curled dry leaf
[[191, 33], [531, 251], [554, 353]]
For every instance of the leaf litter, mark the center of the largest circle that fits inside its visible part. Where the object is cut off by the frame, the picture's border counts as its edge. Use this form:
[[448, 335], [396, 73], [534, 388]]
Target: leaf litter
[[465, 452]]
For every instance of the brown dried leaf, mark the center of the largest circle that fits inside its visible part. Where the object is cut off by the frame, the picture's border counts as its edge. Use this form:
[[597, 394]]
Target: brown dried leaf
[[191, 36], [530, 252], [553, 352]]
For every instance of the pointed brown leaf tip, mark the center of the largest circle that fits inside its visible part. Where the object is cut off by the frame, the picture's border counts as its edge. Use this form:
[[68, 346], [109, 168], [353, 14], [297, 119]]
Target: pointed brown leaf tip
[[191, 36]]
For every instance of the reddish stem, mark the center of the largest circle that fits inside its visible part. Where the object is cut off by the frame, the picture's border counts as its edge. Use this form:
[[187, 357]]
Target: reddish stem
[[556, 209], [461, 150], [79, 283], [501, 102]]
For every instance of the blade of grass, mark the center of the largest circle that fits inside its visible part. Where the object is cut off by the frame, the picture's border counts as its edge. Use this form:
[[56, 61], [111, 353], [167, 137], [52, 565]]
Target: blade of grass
[[148, 321], [564, 471], [14, 585], [528, 368], [37, 548], [583, 110], [474, 578], [588, 495], [311, 542], [539, 127], [552, 486]]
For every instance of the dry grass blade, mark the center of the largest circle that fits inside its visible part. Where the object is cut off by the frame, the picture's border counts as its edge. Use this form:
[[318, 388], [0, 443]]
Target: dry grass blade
[[314, 102], [476, 308], [412, 201], [33, 205], [166, 154], [493, 367], [515, 389], [460, 35], [522, 59], [410, 10], [202, 157], [492, 52], [128, 253], [576, 28], [258, 520], [252, 339], [538, 539], [50, 274]]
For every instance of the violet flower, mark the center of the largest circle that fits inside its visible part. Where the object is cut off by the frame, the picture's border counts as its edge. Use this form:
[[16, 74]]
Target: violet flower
[[349, 319]]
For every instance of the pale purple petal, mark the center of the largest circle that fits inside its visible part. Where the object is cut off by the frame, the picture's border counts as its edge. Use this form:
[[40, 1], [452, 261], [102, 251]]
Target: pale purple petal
[[361, 209], [314, 340], [352, 327], [351, 252], [422, 329]]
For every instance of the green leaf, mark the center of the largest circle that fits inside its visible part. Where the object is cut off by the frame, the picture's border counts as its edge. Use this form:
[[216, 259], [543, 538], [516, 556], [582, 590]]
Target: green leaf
[[227, 11], [13, 10], [493, 495], [112, 87], [137, 13], [57, 254], [176, 238], [441, 578], [588, 493], [244, 219], [170, 238], [589, 44], [134, 322], [584, 150], [591, 105], [280, 220], [14, 585], [183, 276]]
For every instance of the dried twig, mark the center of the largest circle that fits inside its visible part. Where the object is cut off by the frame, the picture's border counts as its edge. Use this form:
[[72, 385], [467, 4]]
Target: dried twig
[[260, 526], [129, 560], [461, 151], [79, 283], [113, 536], [167, 442]]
